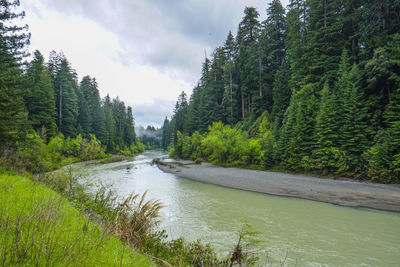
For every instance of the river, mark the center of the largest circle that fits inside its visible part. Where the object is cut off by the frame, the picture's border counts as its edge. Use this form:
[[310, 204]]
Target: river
[[298, 232]]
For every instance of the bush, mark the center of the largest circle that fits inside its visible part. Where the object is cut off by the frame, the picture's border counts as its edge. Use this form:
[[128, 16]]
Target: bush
[[35, 156]]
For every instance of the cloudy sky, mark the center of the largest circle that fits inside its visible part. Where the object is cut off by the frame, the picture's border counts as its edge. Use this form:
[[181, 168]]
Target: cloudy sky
[[144, 51]]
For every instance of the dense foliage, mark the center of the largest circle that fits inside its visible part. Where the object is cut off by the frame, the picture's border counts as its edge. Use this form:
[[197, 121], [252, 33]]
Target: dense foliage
[[327, 74], [150, 136], [45, 98]]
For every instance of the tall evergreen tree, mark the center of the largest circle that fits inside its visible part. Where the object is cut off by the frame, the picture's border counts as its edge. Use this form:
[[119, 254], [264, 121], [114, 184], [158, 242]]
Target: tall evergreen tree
[[13, 116], [327, 155], [166, 134], [229, 101], [109, 123], [65, 87], [297, 19], [352, 125], [272, 50], [96, 119], [247, 59], [40, 97], [129, 125], [84, 117], [180, 112], [14, 37], [325, 40], [13, 42], [281, 94]]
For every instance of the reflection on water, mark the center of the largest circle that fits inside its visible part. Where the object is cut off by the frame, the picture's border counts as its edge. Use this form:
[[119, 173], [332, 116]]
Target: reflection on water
[[312, 233]]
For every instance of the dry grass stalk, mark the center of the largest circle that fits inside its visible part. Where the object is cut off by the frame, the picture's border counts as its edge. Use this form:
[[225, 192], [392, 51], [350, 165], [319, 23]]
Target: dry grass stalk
[[136, 219]]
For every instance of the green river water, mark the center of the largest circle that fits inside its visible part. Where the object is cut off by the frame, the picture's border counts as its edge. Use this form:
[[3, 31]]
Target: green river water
[[295, 232]]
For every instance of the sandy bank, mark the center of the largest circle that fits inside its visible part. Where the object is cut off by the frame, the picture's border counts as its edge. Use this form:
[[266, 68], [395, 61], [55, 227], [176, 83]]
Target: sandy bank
[[344, 193]]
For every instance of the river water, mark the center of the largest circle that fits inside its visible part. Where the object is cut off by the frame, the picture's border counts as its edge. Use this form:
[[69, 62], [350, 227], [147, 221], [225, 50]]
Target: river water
[[295, 232]]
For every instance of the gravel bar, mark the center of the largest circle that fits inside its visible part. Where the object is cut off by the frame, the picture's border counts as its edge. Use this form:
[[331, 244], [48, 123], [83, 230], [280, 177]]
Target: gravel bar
[[339, 192]]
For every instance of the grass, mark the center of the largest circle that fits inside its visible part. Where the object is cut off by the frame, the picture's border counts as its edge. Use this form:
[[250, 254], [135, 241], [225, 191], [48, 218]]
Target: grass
[[39, 227], [136, 220]]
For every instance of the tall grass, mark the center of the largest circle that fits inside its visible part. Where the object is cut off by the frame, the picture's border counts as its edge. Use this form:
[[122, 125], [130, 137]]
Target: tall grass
[[38, 227], [136, 219]]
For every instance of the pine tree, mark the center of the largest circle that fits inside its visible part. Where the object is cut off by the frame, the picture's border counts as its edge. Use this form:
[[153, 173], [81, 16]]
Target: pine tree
[[84, 117], [166, 134], [297, 19], [325, 40], [129, 128], [272, 43], [13, 116], [119, 109], [352, 124], [96, 118], [192, 121], [286, 132], [301, 142], [66, 99], [40, 97], [229, 102], [247, 59], [13, 42], [14, 38], [109, 124], [180, 112], [281, 95], [327, 156]]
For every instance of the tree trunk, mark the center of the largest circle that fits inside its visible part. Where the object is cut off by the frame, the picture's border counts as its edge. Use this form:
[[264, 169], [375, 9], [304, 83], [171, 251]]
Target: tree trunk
[[242, 105]]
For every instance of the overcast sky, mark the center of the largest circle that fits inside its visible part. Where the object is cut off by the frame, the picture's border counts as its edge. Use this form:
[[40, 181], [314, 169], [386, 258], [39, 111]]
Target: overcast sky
[[144, 51]]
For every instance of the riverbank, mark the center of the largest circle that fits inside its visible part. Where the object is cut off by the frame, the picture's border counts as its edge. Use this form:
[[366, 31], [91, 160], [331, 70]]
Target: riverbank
[[38, 226], [344, 193]]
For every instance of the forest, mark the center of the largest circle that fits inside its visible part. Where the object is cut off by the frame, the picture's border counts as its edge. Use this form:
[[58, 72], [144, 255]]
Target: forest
[[46, 114], [313, 88]]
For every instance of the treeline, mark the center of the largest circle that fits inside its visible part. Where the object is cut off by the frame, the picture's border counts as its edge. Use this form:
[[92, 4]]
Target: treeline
[[45, 99], [150, 136], [327, 76]]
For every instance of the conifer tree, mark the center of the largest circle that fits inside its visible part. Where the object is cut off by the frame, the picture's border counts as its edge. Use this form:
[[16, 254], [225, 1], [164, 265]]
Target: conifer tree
[[192, 120], [247, 59], [281, 94], [327, 156], [272, 41], [180, 112], [229, 101], [13, 42], [297, 19], [325, 41], [301, 142], [40, 97], [97, 118], [129, 125], [84, 117], [13, 115], [109, 123], [352, 124], [66, 99], [166, 134]]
